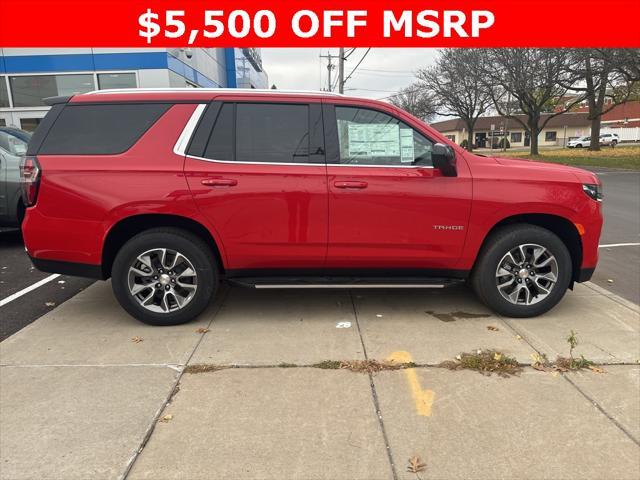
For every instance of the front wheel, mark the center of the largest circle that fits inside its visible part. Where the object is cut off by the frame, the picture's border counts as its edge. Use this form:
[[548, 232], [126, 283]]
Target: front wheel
[[164, 276], [523, 271]]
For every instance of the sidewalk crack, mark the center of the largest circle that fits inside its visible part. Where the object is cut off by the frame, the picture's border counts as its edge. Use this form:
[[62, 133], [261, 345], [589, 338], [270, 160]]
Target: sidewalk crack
[[169, 397], [593, 402], [374, 394]]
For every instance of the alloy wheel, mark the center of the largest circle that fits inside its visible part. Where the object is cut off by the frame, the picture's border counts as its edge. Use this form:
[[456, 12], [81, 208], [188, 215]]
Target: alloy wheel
[[162, 280], [527, 274]]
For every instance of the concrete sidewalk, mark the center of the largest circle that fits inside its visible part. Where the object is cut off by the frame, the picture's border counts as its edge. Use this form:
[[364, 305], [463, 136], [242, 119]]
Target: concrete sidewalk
[[88, 392]]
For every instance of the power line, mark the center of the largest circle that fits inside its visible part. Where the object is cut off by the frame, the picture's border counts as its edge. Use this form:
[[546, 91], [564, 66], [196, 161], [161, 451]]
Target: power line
[[347, 55], [380, 74], [358, 64], [386, 71]]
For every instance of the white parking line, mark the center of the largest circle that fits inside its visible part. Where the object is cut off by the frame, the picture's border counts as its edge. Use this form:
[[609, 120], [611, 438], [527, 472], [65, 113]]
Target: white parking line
[[619, 245], [30, 288]]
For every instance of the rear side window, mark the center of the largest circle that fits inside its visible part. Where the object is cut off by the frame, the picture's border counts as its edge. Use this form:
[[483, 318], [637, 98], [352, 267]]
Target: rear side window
[[220, 146], [100, 129], [276, 133]]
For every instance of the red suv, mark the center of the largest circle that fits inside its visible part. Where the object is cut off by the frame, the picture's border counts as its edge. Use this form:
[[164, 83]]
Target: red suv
[[170, 191]]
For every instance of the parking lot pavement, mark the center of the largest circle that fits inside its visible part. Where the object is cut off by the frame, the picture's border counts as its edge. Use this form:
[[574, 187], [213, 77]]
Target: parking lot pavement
[[16, 274], [87, 392], [619, 266]]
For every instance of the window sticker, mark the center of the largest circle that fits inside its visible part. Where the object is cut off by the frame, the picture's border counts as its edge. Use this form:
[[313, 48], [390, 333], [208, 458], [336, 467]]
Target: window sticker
[[407, 153], [374, 140]]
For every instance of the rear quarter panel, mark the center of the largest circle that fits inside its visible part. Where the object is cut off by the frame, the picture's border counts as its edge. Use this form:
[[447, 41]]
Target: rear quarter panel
[[82, 197]]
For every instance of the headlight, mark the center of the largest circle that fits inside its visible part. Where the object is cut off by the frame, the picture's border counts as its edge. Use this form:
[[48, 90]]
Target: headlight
[[593, 190]]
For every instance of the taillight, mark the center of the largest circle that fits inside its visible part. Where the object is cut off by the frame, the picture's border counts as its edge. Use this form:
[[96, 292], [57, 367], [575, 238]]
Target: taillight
[[29, 179]]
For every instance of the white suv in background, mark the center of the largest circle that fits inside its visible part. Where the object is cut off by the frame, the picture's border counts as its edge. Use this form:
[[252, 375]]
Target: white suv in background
[[579, 142], [606, 139], [609, 139]]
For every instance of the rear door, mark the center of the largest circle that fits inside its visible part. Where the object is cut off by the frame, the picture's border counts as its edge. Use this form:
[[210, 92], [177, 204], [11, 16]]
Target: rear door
[[388, 207], [257, 172]]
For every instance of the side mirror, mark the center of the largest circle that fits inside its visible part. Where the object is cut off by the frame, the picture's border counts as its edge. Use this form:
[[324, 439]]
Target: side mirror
[[444, 159]]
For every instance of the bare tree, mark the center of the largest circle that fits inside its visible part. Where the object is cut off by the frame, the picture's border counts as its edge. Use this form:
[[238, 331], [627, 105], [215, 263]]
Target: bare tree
[[454, 81], [535, 79], [606, 78], [416, 100]]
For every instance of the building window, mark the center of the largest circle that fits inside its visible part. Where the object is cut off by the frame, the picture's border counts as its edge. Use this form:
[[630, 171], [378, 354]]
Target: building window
[[550, 136], [451, 137], [30, 124], [516, 137], [116, 80], [4, 95], [29, 91]]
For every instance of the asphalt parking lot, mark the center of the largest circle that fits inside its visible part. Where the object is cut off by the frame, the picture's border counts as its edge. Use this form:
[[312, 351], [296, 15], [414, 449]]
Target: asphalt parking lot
[[260, 386]]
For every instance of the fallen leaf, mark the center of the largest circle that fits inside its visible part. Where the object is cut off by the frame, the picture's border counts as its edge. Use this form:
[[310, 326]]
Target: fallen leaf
[[415, 465], [137, 339], [497, 356], [50, 304], [492, 328], [167, 418], [518, 337], [202, 330], [609, 280], [595, 369]]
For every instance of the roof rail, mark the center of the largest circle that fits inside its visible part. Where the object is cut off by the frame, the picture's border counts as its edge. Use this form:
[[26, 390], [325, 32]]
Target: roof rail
[[214, 90], [56, 100]]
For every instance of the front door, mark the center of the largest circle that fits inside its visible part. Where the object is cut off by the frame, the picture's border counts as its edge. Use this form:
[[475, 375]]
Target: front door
[[257, 172], [388, 207]]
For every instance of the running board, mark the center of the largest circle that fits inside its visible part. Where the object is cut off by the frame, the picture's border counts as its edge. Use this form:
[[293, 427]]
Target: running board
[[343, 282]]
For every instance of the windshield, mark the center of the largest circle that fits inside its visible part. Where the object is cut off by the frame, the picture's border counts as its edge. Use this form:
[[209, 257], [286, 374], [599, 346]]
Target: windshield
[[12, 144]]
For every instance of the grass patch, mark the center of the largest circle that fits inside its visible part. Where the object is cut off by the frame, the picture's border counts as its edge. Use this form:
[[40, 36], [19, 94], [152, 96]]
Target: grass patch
[[485, 362], [619, 157], [203, 368], [362, 366]]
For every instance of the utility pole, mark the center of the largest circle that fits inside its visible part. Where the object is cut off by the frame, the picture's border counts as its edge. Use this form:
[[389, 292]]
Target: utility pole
[[330, 68], [341, 70]]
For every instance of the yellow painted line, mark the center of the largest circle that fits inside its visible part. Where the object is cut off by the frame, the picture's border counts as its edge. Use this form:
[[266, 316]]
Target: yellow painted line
[[422, 398]]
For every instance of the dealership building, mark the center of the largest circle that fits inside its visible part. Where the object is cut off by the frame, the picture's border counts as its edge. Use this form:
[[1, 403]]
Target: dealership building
[[27, 75]]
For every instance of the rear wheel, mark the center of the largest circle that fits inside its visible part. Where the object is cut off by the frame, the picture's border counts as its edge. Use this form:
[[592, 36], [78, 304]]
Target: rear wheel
[[164, 276], [523, 271]]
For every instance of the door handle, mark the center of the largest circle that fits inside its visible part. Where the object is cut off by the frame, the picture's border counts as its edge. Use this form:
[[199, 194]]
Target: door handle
[[219, 182], [350, 184]]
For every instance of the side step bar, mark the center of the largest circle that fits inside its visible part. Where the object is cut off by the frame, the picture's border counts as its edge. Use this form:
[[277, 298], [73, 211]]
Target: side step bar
[[343, 282]]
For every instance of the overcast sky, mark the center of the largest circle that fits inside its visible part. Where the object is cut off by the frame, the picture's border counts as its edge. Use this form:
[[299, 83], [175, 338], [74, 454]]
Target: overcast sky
[[382, 73]]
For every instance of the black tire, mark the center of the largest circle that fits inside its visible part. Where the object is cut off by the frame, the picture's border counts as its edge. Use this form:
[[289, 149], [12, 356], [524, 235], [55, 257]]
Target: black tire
[[503, 240], [579, 145], [613, 144], [189, 245]]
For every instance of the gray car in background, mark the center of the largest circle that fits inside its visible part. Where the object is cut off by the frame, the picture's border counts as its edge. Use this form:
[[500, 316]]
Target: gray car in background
[[13, 146]]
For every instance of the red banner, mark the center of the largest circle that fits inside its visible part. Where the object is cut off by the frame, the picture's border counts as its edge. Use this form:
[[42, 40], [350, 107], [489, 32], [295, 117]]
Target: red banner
[[315, 23]]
